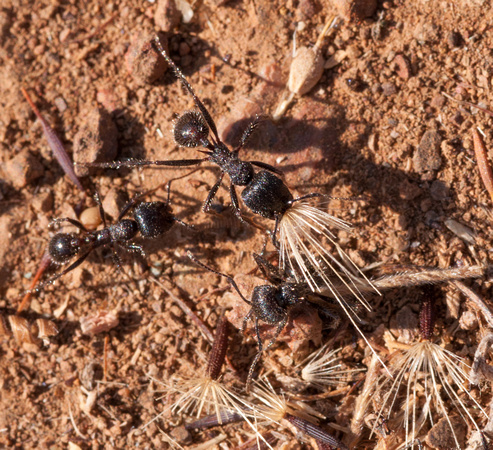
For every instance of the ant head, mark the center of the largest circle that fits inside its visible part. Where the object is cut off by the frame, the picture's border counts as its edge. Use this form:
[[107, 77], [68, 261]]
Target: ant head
[[153, 219], [63, 246], [268, 304], [191, 130]]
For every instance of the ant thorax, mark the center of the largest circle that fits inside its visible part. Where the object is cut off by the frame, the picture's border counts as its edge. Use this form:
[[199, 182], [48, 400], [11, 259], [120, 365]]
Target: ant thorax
[[240, 172]]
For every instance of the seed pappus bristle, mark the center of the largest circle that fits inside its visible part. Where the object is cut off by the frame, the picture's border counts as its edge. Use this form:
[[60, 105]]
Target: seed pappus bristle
[[430, 369], [303, 229]]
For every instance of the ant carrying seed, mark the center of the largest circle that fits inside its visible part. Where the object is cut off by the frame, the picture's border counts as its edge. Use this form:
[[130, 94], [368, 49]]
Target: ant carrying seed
[[273, 303], [303, 229], [150, 219]]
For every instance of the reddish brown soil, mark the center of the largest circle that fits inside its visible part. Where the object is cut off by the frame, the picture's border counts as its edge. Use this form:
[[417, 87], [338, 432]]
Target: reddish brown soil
[[356, 134]]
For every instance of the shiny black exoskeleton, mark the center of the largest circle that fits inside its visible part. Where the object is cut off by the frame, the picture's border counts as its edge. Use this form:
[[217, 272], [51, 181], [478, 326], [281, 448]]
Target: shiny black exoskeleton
[[264, 193], [273, 303], [150, 219]]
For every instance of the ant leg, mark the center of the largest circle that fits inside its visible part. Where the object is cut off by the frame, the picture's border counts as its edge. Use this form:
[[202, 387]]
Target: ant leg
[[100, 206], [273, 234], [212, 193], [245, 320], [230, 279], [248, 132], [280, 327], [266, 167], [135, 248], [116, 258], [234, 202], [184, 224], [188, 87], [305, 197], [269, 271], [73, 222], [143, 163], [72, 266]]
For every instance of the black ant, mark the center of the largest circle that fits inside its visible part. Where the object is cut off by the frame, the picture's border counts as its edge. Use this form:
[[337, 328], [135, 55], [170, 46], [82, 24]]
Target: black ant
[[302, 228], [273, 303], [150, 219]]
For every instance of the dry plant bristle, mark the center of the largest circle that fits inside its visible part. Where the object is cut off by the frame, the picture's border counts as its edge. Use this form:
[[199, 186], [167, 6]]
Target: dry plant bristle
[[274, 406], [207, 395], [302, 231], [424, 371], [323, 368]]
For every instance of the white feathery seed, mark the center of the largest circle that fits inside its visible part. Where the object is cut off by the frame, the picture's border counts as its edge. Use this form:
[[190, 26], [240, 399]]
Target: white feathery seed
[[274, 406], [323, 368], [426, 370], [303, 228]]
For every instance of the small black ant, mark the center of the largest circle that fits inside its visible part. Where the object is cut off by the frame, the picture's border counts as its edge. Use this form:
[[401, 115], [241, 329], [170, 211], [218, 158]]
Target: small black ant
[[150, 219], [273, 303]]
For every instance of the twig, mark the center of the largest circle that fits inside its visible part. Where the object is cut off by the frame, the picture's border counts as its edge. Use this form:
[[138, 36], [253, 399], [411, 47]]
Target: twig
[[472, 105], [55, 144], [471, 295], [105, 367], [96, 31], [483, 163], [188, 311]]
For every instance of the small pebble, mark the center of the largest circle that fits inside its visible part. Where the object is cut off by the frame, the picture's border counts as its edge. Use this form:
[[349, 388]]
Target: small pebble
[[5, 23], [144, 62], [355, 9], [439, 190], [438, 101], [307, 9], [96, 140], [181, 435], [167, 16], [404, 69], [389, 89], [91, 218], [61, 104], [441, 435], [427, 156], [108, 99], [23, 169], [99, 322], [43, 202], [113, 202], [454, 39], [468, 321]]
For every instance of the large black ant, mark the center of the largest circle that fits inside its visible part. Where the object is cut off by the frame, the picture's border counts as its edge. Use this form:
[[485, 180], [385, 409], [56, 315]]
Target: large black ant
[[273, 303], [302, 228], [150, 219]]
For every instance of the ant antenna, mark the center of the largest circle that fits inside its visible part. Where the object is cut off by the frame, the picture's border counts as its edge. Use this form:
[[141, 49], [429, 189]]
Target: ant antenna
[[230, 279], [203, 110]]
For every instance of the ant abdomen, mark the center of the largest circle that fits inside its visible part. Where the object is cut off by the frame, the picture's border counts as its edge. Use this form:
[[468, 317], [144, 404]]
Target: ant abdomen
[[153, 219], [63, 246], [191, 130], [267, 195]]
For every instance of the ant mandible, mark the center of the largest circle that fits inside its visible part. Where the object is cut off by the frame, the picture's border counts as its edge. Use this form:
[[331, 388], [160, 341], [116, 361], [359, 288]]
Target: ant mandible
[[273, 303], [150, 219]]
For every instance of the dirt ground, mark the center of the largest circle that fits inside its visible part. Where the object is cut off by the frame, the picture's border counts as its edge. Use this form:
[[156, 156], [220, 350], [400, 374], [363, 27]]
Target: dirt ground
[[357, 136]]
